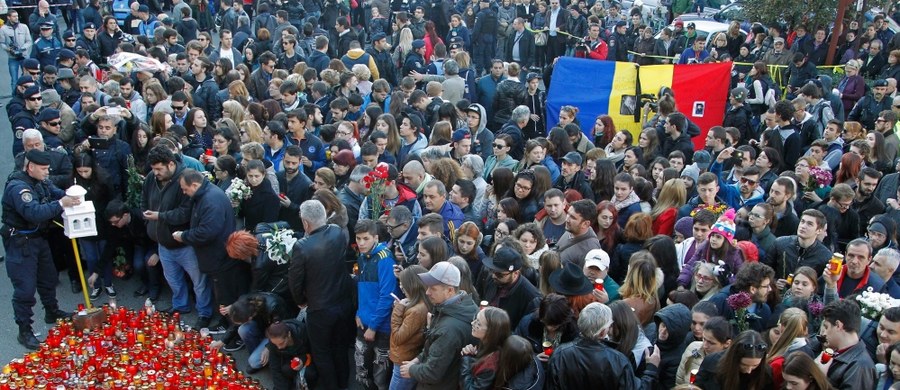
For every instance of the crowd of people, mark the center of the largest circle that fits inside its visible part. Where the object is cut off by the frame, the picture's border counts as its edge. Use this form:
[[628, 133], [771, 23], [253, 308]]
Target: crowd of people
[[441, 231]]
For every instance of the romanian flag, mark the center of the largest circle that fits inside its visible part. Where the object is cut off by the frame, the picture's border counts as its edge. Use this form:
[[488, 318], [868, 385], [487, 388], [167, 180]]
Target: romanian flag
[[618, 89]]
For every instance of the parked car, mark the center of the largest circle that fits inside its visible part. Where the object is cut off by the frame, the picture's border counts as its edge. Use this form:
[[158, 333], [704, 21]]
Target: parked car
[[706, 29]]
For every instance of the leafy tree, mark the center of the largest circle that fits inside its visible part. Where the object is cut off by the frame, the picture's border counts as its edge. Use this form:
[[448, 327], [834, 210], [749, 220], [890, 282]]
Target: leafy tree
[[812, 13]]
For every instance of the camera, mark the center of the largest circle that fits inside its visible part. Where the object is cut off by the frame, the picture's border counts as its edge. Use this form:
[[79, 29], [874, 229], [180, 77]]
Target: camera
[[737, 157], [651, 100]]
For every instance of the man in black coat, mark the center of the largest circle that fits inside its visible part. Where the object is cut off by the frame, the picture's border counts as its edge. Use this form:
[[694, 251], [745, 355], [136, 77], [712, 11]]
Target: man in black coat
[[520, 46], [507, 288], [212, 221], [322, 287]]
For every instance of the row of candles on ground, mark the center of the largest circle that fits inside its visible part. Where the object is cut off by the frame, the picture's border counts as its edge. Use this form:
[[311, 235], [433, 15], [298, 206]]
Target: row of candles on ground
[[132, 350]]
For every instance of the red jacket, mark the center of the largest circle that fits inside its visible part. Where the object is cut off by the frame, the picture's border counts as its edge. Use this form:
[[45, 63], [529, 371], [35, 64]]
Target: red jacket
[[599, 49]]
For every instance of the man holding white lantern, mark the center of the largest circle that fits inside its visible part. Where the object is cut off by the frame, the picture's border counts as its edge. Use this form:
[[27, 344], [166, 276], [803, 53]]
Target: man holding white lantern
[[30, 202]]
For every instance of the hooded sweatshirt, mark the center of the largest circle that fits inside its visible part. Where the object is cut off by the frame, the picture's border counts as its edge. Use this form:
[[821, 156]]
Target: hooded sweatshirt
[[482, 139], [359, 56], [677, 319]]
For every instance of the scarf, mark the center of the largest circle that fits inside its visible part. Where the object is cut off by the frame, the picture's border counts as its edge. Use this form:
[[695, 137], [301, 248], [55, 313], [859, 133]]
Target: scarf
[[630, 200]]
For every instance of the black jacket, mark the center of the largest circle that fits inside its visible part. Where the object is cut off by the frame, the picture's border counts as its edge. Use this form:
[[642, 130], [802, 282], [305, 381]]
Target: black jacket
[[320, 284], [205, 97], [509, 93], [174, 208], [298, 190], [585, 364], [522, 298], [708, 374], [532, 329], [212, 221], [258, 85], [526, 48], [263, 205], [269, 276], [578, 183], [677, 318], [280, 359]]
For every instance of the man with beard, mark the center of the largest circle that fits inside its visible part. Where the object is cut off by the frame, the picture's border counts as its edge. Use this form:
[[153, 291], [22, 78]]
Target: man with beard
[[572, 177], [296, 187], [843, 221], [553, 220], [746, 193], [754, 279], [865, 204], [507, 288], [867, 109], [780, 195]]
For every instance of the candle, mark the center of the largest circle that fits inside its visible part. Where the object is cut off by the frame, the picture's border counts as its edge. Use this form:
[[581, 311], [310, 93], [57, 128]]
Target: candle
[[548, 348], [483, 305], [694, 375], [826, 355], [834, 265], [598, 284]]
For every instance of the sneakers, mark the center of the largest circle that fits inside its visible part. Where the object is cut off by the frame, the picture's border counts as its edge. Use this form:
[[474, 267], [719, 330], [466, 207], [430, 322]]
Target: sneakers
[[111, 292], [50, 316], [95, 293], [202, 322], [217, 329], [235, 345], [27, 339]]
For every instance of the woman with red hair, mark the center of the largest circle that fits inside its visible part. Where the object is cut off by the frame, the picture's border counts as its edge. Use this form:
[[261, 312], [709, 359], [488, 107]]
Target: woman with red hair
[[849, 169], [608, 231], [468, 246], [604, 131]]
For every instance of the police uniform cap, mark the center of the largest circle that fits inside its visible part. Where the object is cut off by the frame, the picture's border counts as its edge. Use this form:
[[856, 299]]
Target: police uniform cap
[[38, 157], [418, 44], [47, 115], [67, 54], [32, 64], [90, 26], [24, 80], [31, 91], [69, 34], [46, 26]]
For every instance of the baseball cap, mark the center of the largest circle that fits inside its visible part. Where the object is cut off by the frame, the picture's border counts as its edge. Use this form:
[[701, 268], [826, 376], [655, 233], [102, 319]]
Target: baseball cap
[[702, 158], [573, 158], [442, 273], [621, 23], [597, 258], [532, 76], [418, 44], [144, 8], [691, 25], [679, 22], [505, 260], [460, 135], [378, 37], [778, 40], [739, 93]]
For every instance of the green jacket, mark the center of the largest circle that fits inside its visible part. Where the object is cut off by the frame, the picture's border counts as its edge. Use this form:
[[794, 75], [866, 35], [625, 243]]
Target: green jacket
[[451, 329]]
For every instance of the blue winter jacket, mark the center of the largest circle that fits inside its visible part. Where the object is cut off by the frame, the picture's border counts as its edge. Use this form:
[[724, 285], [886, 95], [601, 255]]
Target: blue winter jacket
[[375, 284]]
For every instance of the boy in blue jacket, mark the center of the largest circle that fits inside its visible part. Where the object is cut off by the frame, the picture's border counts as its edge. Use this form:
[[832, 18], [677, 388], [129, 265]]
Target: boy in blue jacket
[[375, 286]]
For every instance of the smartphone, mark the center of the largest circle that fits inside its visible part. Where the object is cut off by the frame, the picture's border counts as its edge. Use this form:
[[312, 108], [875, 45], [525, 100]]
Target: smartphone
[[98, 142], [113, 110]]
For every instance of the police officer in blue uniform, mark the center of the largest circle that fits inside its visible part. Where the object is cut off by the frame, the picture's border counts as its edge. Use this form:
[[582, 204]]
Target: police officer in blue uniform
[[46, 48], [30, 202]]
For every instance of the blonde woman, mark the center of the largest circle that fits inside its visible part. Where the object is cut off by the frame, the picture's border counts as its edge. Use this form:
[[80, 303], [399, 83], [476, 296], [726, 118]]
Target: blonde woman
[[404, 47], [237, 90], [640, 287], [251, 132], [793, 327], [665, 212], [233, 110], [363, 76]]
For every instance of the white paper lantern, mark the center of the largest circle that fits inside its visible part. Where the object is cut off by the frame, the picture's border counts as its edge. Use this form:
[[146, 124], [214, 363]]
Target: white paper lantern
[[81, 220]]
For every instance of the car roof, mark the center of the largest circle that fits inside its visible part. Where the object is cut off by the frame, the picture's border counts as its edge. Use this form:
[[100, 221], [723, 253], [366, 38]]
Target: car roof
[[706, 25]]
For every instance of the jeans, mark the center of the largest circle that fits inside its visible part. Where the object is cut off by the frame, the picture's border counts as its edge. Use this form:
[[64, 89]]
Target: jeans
[[15, 70], [400, 383], [176, 262], [372, 364], [255, 340], [90, 255], [151, 277]]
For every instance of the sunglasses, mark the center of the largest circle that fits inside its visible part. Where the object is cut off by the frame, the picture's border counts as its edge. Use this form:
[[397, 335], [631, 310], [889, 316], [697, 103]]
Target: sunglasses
[[499, 146], [53, 123], [748, 181], [70, 40], [762, 347], [34, 99], [179, 108], [34, 73]]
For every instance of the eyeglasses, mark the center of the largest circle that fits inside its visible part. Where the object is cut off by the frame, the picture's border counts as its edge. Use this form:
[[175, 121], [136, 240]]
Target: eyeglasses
[[344, 133], [523, 188], [499, 146], [845, 205], [701, 277], [762, 347], [53, 123], [745, 180], [34, 99], [756, 215]]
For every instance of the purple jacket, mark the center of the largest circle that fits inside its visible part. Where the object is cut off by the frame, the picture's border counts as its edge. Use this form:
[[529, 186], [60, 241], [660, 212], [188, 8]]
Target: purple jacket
[[852, 89], [733, 259]]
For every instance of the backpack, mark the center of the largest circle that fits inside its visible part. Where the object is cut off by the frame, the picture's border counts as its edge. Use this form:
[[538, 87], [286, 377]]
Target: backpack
[[267, 22]]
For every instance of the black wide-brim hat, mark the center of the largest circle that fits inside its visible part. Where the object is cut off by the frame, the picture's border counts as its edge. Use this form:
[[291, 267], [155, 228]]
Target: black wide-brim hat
[[570, 281]]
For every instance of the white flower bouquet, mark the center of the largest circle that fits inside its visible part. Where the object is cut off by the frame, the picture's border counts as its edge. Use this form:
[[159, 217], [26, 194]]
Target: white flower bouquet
[[280, 245], [872, 303], [237, 192]]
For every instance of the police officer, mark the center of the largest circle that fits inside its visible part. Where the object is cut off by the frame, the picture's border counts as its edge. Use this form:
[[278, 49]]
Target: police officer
[[30, 202], [46, 48], [27, 117], [415, 60], [618, 43]]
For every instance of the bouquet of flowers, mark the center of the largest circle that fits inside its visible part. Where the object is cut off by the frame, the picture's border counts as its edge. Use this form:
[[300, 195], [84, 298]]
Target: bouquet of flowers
[[280, 245], [818, 178], [238, 191], [740, 302], [121, 265], [716, 209], [872, 303], [376, 182]]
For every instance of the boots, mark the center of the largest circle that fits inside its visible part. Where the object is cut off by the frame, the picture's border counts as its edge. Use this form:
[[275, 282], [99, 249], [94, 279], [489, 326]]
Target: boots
[[27, 339], [51, 315]]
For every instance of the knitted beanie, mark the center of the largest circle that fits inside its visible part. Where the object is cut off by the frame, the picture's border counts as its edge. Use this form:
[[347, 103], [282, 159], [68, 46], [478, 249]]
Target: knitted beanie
[[725, 226], [685, 226]]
